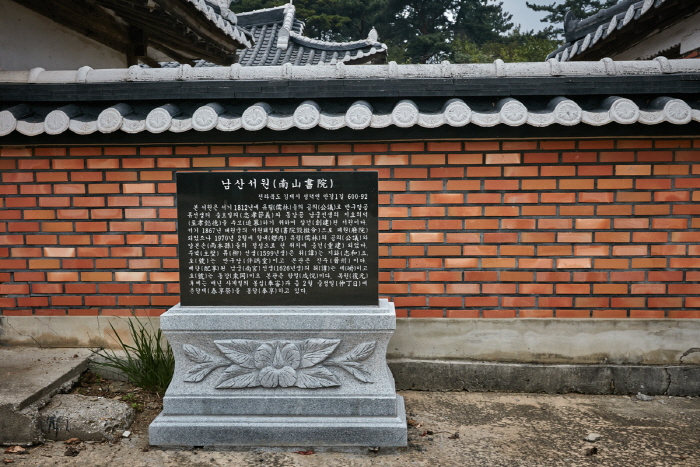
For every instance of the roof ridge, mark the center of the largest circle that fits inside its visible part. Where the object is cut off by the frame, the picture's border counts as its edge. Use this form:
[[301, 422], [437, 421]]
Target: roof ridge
[[497, 69]]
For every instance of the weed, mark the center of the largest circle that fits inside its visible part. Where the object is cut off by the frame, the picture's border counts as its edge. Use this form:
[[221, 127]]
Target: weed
[[149, 363], [129, 397], [137, 407]]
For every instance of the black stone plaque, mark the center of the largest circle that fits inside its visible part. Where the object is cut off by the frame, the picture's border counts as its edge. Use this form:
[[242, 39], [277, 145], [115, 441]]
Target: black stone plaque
[[277, 238]]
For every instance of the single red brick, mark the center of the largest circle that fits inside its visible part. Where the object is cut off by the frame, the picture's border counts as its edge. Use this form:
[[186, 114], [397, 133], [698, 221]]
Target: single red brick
[[47, 288], [654, 184], [500, 185], [666, 276], [272, 149], [41, 239], [649, 237], [445, 301], [574, 237], [499, 314], [110, 263], [480, 172], [515, 276], [483, 198], [480, 250], [554, 223], [630, 250], [480, 301], [90, 226], [428, 159], [674, 250], [447, 172], [505, 263], [480, 276], [517, 224], [558, 171], [528, 171], [558, 197], [628, 302], [574, 263], [427, 211], [462, 314], [500, 237], [612, 237], [463, 237], [465, 159], [509, 158], [536, 289], [518, 301], [606, 263], [537, 313], [609, 314], [594, 224], [461, 263], [648, 289], [537, 237], [501, 211], [226, 149], [26, 164], [535, 263], [665, 302], [391, 159], [464, 211], [541, 158], [647, 263]]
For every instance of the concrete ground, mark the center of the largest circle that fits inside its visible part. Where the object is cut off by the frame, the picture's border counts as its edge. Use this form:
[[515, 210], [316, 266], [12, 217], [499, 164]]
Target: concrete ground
[[458, 429]]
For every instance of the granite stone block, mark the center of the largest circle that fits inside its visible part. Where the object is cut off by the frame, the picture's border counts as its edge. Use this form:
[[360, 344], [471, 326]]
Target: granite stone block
[[280, 376]]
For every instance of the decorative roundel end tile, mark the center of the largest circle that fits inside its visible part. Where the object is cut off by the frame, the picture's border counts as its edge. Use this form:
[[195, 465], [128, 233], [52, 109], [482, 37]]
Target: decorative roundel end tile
[[254, 118], [568, 113], [56, 122], [358, 116], [458, 113], [306, 116], [405, 114], [514, 113], [109, 120], [624, 111], [158, 120], [204, 118]]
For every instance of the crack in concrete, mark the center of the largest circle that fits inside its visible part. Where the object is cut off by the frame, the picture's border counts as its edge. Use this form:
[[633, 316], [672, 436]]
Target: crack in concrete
[[668, 386], [24, 335], [688, 352], [48, 325]]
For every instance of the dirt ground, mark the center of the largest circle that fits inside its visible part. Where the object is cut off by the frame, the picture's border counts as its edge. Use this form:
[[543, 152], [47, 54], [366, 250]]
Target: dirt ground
[[445, 429]]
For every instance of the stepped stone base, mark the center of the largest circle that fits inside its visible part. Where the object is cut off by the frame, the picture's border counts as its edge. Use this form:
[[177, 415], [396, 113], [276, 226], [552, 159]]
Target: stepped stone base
[[302, 432], [280, 376]]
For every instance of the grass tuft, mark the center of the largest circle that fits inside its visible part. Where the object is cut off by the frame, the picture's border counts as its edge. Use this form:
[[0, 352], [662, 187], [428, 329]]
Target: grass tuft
[[148, 364]]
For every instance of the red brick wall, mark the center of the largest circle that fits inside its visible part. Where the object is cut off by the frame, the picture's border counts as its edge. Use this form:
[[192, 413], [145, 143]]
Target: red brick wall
[[589, 228]]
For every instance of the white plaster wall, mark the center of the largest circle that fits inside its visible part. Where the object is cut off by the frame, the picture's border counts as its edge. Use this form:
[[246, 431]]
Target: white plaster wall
[[29, 40], [684, 33]]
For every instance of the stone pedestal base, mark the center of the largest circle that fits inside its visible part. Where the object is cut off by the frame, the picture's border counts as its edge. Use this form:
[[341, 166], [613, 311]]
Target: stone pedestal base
[[280, 377]]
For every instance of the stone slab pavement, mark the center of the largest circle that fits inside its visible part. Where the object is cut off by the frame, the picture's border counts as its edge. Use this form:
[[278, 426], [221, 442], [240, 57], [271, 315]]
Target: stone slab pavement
[[457, 429], [28, 378]]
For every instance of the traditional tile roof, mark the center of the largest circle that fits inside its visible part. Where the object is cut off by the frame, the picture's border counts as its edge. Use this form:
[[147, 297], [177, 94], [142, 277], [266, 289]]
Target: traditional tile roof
[[613, 30], [279, 39], [184, 30], [135, 116]]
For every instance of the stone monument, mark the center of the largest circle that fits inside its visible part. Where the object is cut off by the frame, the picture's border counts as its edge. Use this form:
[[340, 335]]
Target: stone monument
[[280, 339]]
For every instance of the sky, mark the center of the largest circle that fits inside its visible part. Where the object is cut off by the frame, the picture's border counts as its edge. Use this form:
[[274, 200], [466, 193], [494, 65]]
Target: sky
[[526, 17]]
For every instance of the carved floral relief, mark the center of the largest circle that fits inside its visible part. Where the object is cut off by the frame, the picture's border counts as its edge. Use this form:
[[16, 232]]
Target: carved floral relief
[[278, 363]]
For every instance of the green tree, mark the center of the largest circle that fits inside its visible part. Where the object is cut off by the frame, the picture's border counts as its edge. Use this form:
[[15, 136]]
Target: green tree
[[580, 8], [423, 31], [516, 46]]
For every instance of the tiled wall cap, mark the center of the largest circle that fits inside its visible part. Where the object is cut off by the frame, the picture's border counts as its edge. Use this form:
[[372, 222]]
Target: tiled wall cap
[[359, 115]]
